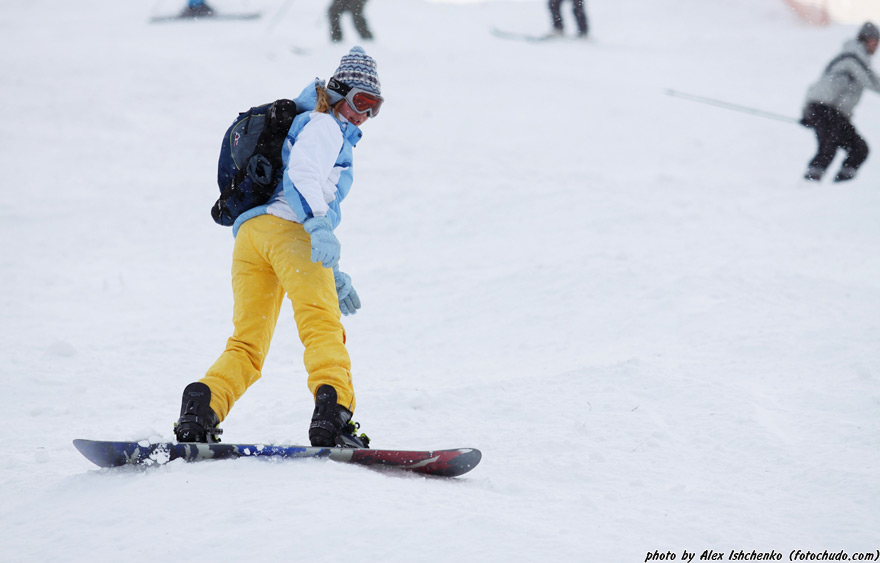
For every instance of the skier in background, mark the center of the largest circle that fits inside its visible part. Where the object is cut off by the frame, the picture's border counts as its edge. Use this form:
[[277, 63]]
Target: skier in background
[[830, 103], [356, 7], [580, 16], [288, 246]]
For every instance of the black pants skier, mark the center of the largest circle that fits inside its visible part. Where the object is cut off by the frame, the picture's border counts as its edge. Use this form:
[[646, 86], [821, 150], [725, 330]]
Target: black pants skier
[[356, 7], [579, 14], [834, 130]]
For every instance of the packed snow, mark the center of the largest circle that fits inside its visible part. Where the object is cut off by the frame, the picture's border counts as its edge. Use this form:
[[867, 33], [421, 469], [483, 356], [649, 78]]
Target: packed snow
[[660, 338]]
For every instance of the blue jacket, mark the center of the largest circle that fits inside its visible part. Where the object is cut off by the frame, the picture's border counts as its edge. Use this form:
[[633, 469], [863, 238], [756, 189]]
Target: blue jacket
[[351, 134]]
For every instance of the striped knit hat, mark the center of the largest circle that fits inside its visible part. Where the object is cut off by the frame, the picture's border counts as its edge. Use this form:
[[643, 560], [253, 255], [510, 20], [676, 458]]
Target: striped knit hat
[[357, 69]]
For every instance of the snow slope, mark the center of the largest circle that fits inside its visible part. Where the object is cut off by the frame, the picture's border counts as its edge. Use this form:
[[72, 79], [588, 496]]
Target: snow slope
[[659, 338]]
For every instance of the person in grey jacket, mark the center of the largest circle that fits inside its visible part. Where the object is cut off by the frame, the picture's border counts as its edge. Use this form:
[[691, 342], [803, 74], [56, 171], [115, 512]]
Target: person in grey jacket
[[831, 101]]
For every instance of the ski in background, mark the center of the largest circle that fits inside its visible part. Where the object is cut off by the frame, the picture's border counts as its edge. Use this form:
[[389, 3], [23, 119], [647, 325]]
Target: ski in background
[[517, 36], [214, 17]]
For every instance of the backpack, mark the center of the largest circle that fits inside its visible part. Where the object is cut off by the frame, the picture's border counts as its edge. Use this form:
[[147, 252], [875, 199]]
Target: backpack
[[250, 166]]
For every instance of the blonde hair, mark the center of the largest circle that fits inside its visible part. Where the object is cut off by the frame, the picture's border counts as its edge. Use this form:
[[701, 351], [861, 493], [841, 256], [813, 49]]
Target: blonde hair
[[323, 104]]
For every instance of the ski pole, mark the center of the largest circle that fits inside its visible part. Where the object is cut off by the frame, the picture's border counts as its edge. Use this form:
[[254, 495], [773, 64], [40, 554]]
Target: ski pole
[[733, 107]]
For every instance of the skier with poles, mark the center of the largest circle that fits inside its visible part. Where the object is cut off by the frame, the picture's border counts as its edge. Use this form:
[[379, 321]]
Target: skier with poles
[[830, 103]]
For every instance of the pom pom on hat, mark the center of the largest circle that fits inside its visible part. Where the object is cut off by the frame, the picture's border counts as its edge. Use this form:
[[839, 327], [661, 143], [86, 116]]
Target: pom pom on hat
[[357, 69]]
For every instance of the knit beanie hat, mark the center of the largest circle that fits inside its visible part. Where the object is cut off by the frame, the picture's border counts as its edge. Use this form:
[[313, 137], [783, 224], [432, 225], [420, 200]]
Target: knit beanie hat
[[357, 69], [868, 32]]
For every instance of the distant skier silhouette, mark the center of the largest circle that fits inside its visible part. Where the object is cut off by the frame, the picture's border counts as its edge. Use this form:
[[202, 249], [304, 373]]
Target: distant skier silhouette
[[356, 8], [580, 16]]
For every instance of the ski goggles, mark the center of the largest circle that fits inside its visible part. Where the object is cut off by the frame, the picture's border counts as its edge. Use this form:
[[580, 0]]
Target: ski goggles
[[360, 100]]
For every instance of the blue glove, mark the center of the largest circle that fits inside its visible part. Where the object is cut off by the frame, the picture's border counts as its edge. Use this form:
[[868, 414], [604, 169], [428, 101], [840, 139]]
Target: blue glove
[[349, 302], [325, 245]]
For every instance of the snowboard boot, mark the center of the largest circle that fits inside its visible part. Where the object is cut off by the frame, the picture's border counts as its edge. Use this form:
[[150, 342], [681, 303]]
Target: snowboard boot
[[846, 173], [814, 173], [331, 423], [196, 11], [197, 422]]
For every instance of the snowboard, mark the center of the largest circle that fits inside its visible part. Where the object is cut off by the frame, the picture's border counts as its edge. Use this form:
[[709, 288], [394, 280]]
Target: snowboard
[[531, 38], [441, 463], [215, 17]]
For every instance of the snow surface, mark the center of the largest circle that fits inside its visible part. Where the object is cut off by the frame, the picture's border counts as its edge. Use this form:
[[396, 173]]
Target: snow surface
[[657, 335]]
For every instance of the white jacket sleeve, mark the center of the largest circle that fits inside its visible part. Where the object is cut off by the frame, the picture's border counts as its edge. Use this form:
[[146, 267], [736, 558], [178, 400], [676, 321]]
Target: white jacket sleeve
[[312, 159]]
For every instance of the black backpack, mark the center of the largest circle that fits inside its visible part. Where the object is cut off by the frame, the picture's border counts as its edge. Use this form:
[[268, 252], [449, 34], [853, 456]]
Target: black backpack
[[250, 164]]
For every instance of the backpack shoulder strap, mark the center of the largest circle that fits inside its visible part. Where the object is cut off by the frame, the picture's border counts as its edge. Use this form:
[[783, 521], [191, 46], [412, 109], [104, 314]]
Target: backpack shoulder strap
[[279, 117], [845, 56]]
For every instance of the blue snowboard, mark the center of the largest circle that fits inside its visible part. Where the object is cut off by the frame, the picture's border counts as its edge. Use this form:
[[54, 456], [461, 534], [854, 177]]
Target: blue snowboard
[[442, 463]]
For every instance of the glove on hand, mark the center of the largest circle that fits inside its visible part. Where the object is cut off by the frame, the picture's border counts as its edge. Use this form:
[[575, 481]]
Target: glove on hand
[[349, 302], [325, 245]]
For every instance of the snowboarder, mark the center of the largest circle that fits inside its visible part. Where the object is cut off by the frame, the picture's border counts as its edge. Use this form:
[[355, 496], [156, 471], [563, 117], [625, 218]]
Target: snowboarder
[[830, 103], [288, 246], [356, 7], [580, 15]]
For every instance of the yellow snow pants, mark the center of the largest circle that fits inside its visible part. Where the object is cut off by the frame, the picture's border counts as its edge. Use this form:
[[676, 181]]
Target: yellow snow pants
[[271, 257]]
